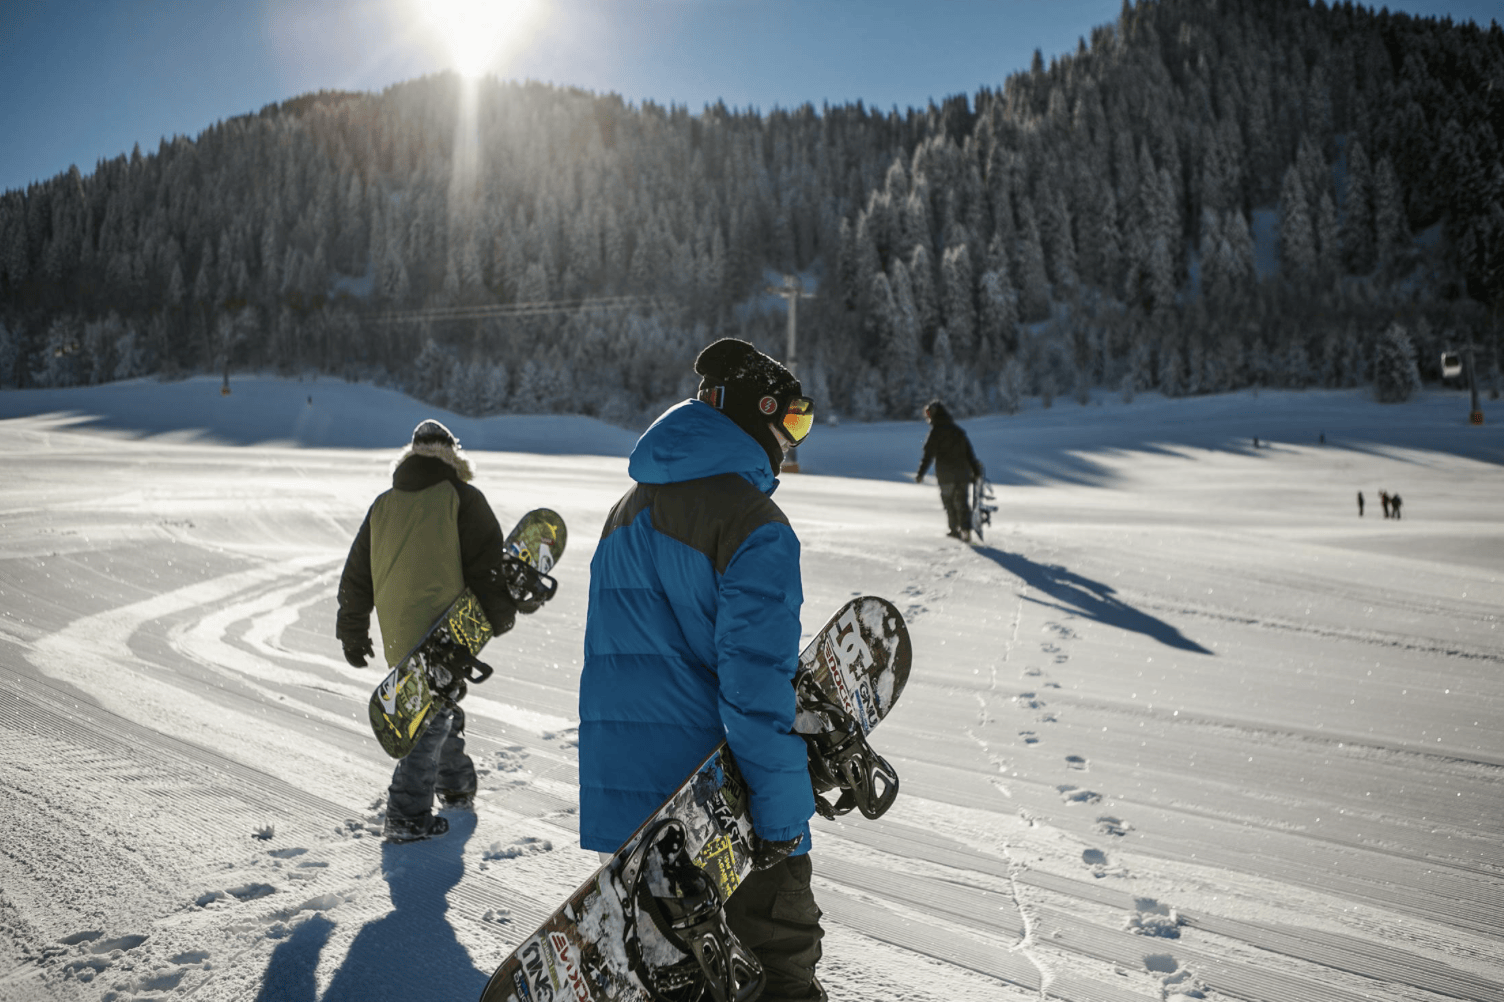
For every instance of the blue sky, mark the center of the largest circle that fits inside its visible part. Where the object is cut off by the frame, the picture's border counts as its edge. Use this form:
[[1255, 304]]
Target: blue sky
[[87, 79]]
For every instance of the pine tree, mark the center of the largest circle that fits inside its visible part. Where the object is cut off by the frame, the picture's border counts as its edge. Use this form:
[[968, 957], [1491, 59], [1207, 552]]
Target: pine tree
[[1061, 246], [1358, 248], [959, 302], [1297, 240], [1010, 386], [1033, 282], [926, 298], [1391, 232], [900, 350], [997, 318], [1216, 278], [1395, 375], [1329, 244]]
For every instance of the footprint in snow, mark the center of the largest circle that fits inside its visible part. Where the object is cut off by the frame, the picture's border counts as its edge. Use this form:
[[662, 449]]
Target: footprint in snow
[[1075, 762], [1076, 795], [525, 846], [245, 892], [1033, 672], [159, 981], [99, 954], [1150, 918], [1096, 862], [1029, 701], [1109, 825], [510, 759], [1060, 630], [319, 903], [1178, 982], [1029, 737], [569, 737]]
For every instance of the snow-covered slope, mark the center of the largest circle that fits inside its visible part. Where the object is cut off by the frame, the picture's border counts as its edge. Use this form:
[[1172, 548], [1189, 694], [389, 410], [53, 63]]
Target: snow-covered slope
[[1183, 724]]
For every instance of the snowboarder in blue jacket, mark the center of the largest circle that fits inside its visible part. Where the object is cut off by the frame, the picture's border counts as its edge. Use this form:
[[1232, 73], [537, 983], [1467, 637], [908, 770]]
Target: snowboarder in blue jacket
[[692, 637]]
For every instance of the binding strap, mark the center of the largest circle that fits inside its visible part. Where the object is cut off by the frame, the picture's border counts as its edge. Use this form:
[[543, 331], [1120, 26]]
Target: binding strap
[[840, 758], [690, 917]]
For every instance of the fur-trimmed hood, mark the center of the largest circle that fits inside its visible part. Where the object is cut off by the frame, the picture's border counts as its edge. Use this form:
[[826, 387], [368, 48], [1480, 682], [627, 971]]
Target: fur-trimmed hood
[[455, 456]]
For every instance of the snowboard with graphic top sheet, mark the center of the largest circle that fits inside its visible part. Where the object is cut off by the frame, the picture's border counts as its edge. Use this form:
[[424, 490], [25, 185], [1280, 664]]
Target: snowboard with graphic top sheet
[[401, 704], [648, 924]]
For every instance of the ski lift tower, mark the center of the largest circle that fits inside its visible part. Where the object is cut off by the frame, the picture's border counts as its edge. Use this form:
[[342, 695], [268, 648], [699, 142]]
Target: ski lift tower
[[792, 290], [1453, 363]]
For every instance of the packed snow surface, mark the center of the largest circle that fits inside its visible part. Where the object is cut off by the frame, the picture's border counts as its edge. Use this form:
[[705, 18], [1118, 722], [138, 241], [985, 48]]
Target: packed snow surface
[[1182, 725]]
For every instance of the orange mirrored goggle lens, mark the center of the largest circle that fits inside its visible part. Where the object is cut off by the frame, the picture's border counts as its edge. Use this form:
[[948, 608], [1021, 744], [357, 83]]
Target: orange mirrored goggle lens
[[798, 419]]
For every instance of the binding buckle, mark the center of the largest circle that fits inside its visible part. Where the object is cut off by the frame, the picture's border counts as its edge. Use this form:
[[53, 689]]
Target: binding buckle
[[528, 586], [840, 758], [688, 914]]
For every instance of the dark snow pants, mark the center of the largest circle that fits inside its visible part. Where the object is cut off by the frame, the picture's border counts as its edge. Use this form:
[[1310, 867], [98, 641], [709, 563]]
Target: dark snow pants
[[774, 915], [956, 496], [438, 760]]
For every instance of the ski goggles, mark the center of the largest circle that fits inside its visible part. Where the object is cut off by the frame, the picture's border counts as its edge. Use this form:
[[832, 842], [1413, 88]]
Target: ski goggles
[[798, 419]]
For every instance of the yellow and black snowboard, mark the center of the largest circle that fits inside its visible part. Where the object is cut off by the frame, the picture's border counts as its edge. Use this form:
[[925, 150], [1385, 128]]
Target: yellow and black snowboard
[[401, 705]]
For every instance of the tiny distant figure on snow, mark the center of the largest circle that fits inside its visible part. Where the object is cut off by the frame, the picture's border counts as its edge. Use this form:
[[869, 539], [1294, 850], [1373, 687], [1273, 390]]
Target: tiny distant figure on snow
[[1322, 438], [1384, 500], [1394, 504], [956, 466], [1255, 441], [1360, 504]]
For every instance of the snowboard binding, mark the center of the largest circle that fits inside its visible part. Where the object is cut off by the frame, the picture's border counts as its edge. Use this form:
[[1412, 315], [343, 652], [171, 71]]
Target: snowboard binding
[[528, 586], [840, 758], [450, 666], [681, 901]]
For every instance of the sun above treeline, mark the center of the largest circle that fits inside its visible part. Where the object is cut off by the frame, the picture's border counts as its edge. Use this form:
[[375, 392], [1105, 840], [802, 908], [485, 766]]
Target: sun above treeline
[[476, 34]]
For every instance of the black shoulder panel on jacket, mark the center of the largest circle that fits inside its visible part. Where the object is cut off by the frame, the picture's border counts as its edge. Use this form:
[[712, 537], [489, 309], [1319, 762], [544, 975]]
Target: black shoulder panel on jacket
[[713, 515]]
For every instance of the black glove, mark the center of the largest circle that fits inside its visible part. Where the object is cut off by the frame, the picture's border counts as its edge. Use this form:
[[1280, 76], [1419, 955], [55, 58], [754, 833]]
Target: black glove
[[766, 854], [919, 478], [356, 652]]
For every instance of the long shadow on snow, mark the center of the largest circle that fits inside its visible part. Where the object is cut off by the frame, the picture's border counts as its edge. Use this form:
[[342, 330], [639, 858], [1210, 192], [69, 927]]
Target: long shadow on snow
[[1076, 594], [408, 954]]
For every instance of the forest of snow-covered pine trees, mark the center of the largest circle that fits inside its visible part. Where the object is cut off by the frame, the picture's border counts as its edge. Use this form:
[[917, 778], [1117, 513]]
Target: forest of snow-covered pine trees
[[1205, 195]]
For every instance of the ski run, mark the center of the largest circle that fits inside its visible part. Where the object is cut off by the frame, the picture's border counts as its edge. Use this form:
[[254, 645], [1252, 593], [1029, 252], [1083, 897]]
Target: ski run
[[1182, 726]]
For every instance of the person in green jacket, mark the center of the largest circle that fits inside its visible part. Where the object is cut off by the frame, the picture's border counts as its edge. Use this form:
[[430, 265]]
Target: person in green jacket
[[421, 544]]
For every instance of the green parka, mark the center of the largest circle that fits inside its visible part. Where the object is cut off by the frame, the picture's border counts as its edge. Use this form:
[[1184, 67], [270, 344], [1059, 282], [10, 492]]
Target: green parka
[[421, 544]]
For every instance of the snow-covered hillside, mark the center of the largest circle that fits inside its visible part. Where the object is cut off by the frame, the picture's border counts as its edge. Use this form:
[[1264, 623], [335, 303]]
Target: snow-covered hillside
[[1183, 725]]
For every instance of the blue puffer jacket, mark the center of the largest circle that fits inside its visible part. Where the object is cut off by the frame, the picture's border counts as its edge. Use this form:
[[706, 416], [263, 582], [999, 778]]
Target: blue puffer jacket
[[692, 635]]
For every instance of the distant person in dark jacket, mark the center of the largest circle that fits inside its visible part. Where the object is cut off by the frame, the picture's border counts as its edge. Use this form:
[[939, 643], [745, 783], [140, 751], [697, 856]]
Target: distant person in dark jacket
[[421, 544], [1360, 504], [1394, 504], [1384, 500], [956, 466], [692, 638]]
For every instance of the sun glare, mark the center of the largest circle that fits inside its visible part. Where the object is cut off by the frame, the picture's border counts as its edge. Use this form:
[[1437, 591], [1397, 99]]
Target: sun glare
[[475, 33]]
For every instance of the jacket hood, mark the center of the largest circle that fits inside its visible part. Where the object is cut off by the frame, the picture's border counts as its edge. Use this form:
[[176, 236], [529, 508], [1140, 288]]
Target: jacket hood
[[452, 455], [692, 440], [418, 472]]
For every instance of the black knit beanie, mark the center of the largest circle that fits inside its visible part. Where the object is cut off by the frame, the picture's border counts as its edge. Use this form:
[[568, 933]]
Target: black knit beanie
[[750, 388], [431, 432]]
